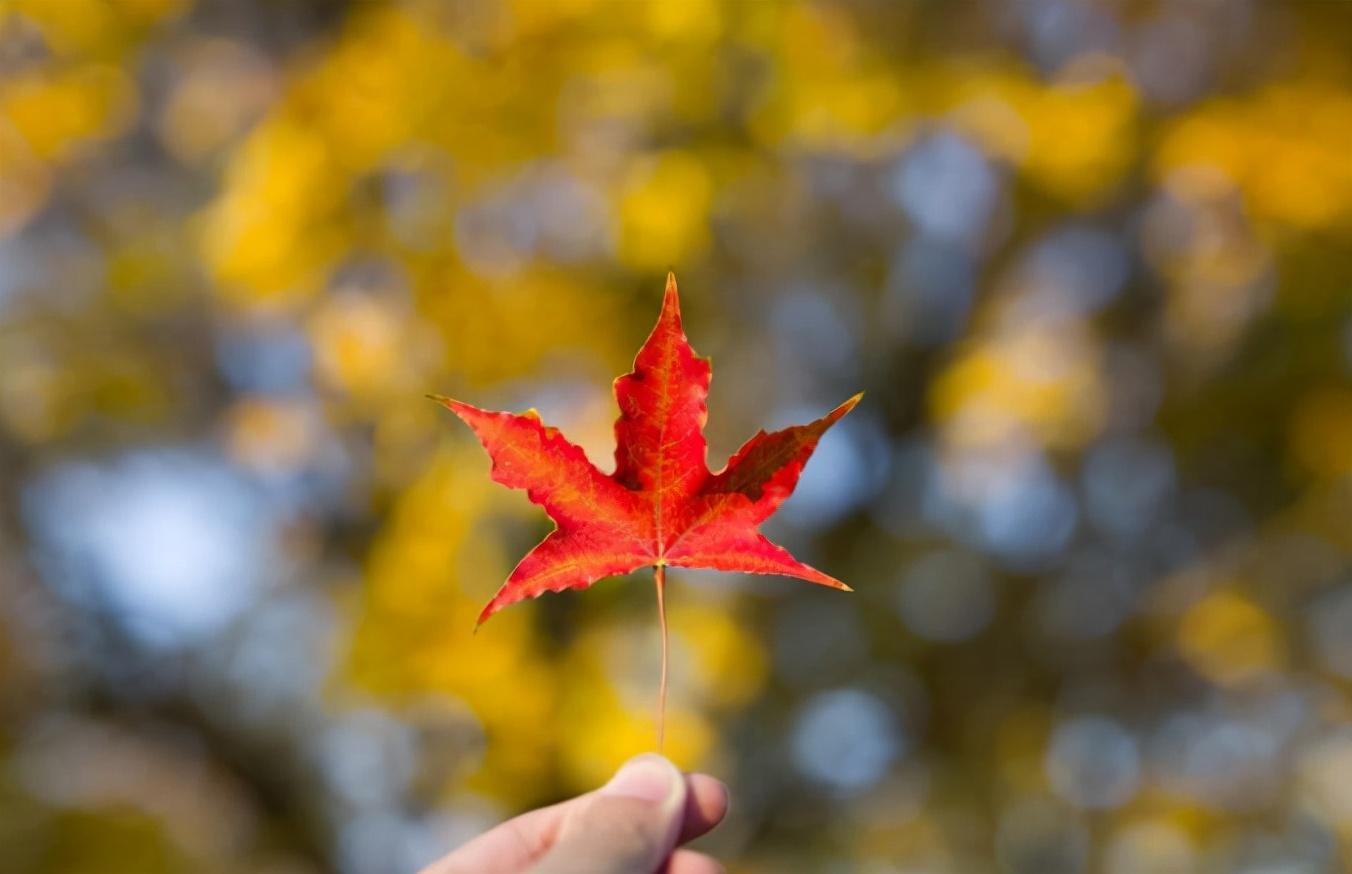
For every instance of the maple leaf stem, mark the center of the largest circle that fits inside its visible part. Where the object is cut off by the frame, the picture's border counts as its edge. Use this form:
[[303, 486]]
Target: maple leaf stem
[[660, 575]]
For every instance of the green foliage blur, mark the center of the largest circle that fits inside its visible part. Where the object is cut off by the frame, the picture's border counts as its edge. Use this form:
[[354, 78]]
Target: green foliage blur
[[1091, 261]]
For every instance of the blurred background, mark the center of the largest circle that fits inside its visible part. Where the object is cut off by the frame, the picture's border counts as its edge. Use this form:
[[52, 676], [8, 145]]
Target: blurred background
[[1092, 263]]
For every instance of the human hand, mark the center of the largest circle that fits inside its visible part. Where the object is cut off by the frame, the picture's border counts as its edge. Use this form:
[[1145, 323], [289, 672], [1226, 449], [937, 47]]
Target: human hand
[[632, 825]]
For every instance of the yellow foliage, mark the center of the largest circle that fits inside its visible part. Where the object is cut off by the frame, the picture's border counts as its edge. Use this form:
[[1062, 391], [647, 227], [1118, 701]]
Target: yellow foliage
[[270, 235], [1229, 639], [56, 112], [1074, 140], [283, 216], [95, 28], [665, 211], [728, 663], [1321, 433], [1081, 138], [1285, 147], [1041, 381], [832, 94], [415, 628], [25, 180], [600, 725], [693, 23]]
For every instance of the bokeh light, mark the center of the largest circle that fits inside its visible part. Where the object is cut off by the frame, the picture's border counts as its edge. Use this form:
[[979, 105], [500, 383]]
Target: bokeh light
[[1087, 259]]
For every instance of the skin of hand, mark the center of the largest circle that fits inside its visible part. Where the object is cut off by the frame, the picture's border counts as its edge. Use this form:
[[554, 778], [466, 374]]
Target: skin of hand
[[632, 825]]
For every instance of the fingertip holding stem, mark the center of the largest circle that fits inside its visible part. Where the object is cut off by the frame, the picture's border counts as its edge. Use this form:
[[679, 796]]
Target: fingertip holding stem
[[648, 777]]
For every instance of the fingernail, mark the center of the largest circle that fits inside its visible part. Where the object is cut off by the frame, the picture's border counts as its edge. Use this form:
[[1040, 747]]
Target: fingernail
[[648, 777]]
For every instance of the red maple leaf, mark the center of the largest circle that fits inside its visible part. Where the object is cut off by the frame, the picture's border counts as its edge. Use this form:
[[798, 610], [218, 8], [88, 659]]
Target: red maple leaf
[[662, 505]]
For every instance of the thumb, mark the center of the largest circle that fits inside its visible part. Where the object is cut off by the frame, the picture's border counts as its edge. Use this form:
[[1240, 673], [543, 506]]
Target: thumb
[[628, 826]]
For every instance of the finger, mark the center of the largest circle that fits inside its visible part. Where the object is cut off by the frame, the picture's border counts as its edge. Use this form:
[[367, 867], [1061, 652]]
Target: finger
[[520, 842], [706, 803], [508, 848], [630, 825], [690, 862]]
